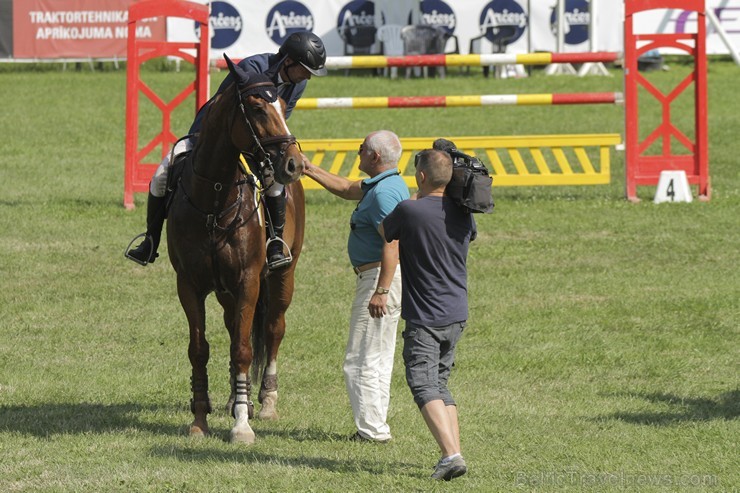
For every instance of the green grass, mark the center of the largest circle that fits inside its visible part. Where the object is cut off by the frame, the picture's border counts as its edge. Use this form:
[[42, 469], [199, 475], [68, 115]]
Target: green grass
[[601, 355]]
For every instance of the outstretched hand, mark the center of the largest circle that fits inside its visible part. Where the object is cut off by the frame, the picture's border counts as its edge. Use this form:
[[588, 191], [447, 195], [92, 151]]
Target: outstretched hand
[[307, 165]]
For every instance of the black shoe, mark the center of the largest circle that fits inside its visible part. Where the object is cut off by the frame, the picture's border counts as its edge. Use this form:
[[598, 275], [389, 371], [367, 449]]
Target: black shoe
[[276, 247], [144, 253], [276, 259]]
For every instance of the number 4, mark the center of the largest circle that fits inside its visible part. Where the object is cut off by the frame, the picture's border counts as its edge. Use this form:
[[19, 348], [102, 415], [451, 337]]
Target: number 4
[[670, 191]]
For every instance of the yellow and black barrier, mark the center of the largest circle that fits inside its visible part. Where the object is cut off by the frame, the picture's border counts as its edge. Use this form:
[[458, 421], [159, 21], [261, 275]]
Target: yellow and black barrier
[[523, 160]]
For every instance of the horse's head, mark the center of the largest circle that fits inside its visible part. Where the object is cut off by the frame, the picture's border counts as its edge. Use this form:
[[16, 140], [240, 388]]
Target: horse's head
[[263, 135]]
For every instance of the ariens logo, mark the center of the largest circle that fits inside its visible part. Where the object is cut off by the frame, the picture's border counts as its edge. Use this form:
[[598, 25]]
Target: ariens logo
[[287, 17], [225, 24], [577, 19], [503, 13], [438, 14], [356, 13]]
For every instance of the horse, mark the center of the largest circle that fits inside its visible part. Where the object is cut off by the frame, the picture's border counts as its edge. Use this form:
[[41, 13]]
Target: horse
[[216, 241]]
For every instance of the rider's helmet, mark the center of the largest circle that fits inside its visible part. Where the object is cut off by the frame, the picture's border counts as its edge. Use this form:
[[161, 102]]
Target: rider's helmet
[[306, 48]]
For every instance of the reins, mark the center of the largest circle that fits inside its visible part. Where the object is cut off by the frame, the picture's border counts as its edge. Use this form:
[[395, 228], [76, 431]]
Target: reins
[[266, 168]]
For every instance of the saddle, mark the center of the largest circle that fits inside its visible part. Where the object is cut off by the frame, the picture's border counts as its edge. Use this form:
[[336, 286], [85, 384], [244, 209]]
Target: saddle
[[173, 175]]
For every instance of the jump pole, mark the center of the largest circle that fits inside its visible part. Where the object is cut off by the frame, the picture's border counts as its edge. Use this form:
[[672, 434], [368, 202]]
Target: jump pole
[[459, 101], [376, 61]]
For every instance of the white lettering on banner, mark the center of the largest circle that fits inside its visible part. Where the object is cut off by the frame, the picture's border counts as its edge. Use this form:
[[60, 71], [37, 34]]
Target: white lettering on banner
[[142, 32], [225, 22], [504, 18], [353, 20], [577, 18], [74, 33], [80, 17], [283, 22], [436, 19], [59, 32]]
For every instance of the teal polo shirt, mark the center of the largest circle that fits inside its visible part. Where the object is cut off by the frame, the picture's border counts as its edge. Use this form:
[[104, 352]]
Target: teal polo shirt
[[382, 194]]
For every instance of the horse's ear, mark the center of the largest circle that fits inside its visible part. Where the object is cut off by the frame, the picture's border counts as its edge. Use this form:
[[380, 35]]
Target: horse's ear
[[240, 75], [230, 64]]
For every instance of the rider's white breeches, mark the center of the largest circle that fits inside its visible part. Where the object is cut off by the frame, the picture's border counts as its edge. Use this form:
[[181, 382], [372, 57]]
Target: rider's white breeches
[[158, 185]]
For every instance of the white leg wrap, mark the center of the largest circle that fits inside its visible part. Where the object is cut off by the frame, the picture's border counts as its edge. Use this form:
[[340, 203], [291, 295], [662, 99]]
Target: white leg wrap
[[241, 432]]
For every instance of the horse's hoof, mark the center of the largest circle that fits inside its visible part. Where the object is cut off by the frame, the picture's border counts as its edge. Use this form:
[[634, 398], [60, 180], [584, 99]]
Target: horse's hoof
[[268, 411], [242, 436], [198, 432], [268, 415]]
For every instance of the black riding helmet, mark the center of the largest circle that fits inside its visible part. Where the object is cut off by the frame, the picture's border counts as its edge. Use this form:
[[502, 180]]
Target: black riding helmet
[[307, 49]]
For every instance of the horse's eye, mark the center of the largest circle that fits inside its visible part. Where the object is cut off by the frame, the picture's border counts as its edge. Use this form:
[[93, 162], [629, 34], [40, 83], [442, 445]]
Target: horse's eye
[[259, 107]]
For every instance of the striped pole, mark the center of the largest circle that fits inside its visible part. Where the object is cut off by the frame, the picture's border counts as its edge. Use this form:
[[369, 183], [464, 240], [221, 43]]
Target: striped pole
[[347, 62], [376, 61], [448, 101]]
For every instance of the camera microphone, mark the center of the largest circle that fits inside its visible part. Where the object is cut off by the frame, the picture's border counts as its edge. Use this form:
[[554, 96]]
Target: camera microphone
[[444, 145]]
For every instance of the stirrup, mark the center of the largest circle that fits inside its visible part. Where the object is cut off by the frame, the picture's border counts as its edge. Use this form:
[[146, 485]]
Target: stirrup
[[126, 252], [279, 264]]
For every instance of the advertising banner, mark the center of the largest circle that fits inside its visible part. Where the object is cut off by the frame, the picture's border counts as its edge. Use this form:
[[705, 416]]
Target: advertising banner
[[76, 29], [97, 28]]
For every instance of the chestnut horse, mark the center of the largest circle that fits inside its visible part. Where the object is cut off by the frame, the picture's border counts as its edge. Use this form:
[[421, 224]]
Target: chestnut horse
[[216, 241]]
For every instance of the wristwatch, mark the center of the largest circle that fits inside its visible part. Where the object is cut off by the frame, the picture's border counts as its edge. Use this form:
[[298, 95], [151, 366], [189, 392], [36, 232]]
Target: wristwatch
[[380, 290]]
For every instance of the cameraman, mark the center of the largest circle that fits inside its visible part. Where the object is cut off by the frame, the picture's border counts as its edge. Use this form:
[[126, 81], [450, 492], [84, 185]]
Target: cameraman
[[433, 233]]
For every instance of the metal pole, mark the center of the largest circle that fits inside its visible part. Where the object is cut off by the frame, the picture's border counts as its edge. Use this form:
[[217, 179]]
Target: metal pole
[[593, 43], [562, 68]]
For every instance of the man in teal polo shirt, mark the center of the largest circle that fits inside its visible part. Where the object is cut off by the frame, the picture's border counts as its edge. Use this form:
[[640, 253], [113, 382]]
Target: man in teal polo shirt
[[368, 360]]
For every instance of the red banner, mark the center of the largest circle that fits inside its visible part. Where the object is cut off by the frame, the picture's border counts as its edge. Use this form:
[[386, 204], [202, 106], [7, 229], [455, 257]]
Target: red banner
[[77, 28]]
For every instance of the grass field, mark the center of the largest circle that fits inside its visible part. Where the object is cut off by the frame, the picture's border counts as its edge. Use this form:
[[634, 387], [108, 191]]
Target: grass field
[[601, 354]]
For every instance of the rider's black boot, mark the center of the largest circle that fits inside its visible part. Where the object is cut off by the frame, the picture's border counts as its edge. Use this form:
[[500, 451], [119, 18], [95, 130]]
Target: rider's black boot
[[146, 252], [276, 258]]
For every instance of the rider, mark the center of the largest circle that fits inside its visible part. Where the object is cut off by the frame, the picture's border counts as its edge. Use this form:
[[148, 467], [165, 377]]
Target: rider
[[301, 55]]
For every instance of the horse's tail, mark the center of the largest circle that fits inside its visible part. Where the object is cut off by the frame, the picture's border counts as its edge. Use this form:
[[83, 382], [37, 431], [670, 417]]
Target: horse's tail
[[259, 329]]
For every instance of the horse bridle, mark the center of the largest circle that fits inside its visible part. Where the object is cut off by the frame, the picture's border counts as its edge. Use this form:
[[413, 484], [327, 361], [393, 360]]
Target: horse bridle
[[266, 168]]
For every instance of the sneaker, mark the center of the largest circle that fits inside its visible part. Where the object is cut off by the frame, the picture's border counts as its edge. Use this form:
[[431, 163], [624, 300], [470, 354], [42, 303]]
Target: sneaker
[[449, 470], [359, 437]]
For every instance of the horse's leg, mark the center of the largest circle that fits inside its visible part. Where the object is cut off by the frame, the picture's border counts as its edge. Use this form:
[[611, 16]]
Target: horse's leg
[[281, 294], [242, 309], [227, 302], [280, 286], [198, 352]]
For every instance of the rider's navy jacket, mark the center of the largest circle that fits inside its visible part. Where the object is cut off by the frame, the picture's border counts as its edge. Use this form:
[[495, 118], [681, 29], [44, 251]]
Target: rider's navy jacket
[[259, 64]]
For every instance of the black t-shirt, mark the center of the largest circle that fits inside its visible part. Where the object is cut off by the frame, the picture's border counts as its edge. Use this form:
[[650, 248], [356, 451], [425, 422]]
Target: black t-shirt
[[434, 235]]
